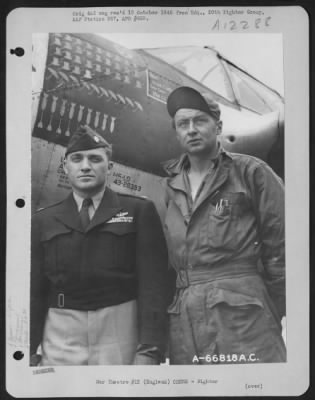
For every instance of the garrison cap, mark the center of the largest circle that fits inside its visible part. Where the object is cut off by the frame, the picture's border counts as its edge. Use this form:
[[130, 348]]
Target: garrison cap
[[86, 139], [187, 97]]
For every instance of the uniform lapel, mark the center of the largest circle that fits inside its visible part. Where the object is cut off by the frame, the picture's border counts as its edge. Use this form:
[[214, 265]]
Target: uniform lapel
[[68, 211], [108, 207], [212, 185], [68, 214]]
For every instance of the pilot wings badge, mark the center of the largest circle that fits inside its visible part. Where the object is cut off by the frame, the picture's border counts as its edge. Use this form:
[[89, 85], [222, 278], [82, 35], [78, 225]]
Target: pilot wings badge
[[121, 217]]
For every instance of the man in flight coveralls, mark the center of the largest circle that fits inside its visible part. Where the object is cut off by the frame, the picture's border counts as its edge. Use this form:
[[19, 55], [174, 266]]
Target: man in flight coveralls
[[225, 231], [98, 269]]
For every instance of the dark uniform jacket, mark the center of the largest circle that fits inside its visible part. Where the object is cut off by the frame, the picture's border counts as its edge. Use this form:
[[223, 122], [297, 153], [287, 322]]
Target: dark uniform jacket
[[120, 257]]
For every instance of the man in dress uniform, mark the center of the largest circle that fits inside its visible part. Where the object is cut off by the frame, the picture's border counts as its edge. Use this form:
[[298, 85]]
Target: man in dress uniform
[[225, 231], [98, 269]]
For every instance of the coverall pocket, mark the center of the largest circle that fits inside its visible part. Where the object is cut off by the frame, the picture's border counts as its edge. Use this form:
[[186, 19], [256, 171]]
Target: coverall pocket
[[233, 299], [245, 326], [237, 315], [224, 225]]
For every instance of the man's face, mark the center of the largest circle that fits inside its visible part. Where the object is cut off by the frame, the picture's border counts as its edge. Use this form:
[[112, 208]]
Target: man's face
[[197, 131], [87, 170]]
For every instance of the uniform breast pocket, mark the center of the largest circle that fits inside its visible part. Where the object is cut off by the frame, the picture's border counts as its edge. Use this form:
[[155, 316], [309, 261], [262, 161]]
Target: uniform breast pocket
[[122, 238], [57, 243], [225, 220]]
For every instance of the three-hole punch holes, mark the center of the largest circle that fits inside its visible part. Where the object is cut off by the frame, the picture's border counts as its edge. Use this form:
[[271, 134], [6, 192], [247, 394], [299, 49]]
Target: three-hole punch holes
[[20, 203], [232, 139], [18, 355], [18, 51]]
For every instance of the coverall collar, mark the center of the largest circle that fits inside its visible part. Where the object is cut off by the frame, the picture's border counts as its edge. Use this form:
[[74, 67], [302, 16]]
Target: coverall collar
[[175, 169], [176, 165]]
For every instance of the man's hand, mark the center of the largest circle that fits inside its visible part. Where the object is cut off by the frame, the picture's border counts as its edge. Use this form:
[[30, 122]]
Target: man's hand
[[147, 355], [35, 360], [141, 359]]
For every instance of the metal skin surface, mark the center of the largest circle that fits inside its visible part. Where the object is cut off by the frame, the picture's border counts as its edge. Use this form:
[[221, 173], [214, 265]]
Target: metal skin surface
[[83, 79]]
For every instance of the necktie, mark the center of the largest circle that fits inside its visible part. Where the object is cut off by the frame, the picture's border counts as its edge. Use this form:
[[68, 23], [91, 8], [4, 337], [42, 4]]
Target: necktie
[[84, 213]]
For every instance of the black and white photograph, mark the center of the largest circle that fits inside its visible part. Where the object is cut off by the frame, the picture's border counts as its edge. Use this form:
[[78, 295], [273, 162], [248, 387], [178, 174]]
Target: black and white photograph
[[158, 171], [224, 226]]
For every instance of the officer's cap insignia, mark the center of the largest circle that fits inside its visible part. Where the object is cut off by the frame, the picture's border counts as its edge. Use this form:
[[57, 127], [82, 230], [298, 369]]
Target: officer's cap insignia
[[85, 138]]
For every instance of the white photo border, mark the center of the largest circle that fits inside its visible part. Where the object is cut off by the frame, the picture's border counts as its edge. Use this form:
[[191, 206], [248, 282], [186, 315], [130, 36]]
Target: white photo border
[[289, 379]]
